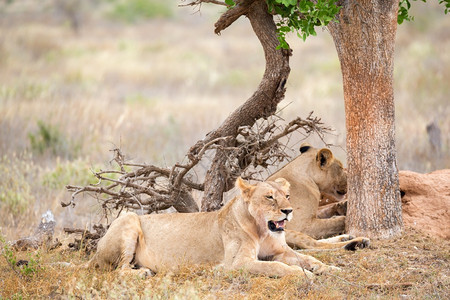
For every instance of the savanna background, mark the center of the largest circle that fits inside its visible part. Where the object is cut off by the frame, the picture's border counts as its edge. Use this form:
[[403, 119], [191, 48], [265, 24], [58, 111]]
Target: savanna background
[[79, 78]]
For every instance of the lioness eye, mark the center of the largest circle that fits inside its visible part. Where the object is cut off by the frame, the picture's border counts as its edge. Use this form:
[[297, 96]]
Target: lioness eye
[[288, 196], [269, 197]]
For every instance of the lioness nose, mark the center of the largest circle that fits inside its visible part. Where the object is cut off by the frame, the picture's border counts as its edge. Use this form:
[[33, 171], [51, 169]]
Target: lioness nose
[[286, 211]]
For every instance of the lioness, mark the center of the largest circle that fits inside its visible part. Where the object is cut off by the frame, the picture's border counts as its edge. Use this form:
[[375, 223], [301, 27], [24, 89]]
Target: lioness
[[248, 232], [312, 173]]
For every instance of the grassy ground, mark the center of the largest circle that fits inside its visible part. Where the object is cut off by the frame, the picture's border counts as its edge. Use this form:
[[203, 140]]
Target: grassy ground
[[154, 84], [410, 267]]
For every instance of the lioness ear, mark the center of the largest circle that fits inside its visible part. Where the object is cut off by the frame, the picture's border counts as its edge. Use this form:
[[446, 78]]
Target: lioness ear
[[246, 188], [324, 157], [285, 185], [305, 147]]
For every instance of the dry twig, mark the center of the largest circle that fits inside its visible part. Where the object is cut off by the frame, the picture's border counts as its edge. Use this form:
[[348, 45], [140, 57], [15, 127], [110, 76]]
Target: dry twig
[[88, 240]]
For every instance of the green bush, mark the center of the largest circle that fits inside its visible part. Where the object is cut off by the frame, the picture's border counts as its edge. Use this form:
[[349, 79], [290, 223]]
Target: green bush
[[77, 172], [49, 138], [134, 10]]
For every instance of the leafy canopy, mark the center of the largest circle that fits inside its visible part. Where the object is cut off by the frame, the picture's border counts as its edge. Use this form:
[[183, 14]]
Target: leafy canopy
[[302, 16]]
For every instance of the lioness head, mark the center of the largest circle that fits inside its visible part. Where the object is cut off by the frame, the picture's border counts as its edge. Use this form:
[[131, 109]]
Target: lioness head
[[268, 203], [326, 171]]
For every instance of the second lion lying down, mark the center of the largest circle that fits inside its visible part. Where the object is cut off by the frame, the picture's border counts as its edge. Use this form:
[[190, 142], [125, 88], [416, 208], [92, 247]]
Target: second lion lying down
[[248, 232]]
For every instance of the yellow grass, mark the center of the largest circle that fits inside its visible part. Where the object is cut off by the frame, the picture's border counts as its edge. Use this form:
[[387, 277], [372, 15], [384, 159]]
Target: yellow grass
[[410, 267]]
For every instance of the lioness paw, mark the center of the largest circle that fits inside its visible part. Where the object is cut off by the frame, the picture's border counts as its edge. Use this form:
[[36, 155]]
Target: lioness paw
[[324, 269], [346, 237], [308, 274], [358, 243], [142, 273], [145, 273], [333, 269], [304, 272]]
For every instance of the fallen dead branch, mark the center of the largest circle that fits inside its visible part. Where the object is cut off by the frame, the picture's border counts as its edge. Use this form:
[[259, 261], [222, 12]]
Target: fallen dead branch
[[88, 240]]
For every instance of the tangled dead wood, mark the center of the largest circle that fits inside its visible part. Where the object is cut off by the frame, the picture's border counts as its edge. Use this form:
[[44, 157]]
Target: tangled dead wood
[[88, 240], [148, 188]]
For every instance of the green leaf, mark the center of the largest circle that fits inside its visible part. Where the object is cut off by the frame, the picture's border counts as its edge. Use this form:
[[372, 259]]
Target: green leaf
[[230, 3], [302, 16]]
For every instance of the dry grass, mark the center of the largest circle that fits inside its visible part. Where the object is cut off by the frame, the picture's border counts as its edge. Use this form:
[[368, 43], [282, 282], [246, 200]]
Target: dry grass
[[411, 267], [156, 87]]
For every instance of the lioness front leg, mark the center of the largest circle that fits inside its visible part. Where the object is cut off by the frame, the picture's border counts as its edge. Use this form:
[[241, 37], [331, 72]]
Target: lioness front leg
[[292, 258], [243, 257], [349, 242], [299, 240], [271, 268]]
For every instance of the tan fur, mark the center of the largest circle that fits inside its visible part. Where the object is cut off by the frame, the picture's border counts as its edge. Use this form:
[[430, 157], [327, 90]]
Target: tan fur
[[237, 236], [312, 173]]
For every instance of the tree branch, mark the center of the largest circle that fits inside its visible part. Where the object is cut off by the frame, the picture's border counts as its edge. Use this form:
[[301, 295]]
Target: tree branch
[[150, 188], [231, 15], [261, 104], [199, 2]]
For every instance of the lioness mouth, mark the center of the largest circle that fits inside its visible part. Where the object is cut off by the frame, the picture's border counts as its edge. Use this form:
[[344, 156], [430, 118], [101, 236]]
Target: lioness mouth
[[276, 225]]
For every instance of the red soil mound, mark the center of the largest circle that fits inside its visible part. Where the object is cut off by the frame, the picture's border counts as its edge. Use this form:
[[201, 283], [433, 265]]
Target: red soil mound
[[426, 201]]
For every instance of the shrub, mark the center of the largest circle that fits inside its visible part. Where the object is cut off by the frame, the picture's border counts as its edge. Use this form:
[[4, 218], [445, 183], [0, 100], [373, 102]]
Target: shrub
[[48, 138], [134, 10], [69, 172]]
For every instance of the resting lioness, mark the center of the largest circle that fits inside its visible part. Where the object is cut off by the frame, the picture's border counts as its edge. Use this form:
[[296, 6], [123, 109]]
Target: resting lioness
[[312, 173], [248, 232]]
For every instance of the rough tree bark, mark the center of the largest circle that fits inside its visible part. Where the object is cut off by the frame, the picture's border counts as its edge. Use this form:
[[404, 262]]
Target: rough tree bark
[[365, 39], [261, 104]]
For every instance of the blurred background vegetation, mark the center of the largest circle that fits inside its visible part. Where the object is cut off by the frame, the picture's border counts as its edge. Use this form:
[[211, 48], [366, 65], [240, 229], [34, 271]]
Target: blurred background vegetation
[[80, 77]]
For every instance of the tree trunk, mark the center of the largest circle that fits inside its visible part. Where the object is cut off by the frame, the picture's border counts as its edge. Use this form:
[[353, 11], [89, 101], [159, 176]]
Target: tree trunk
[[262, 103], [364, 39]]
